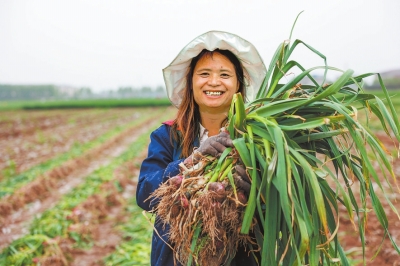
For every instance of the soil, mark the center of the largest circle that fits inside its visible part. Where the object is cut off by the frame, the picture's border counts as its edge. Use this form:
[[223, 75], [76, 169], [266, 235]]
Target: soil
[[349, 237], [106, 243], [106, 237], [44, 185], [106, 209], [15, 224], [35, 140]]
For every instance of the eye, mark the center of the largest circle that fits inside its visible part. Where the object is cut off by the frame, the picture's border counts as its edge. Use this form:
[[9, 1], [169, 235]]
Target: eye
[[204, 74], [225, 75]]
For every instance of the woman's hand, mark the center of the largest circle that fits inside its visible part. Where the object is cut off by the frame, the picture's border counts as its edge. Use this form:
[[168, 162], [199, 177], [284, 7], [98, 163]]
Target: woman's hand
[[213, 146], [241, 179]]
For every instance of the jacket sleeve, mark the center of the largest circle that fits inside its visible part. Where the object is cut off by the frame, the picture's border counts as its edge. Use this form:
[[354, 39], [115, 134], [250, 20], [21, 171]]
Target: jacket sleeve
[[157, 167]]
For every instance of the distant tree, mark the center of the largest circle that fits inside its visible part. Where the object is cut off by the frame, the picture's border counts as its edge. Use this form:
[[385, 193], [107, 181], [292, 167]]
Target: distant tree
[[125, 92], [28, 92], [390, 78], [160, 89], [146, 89], [390, 83], [84, 92]]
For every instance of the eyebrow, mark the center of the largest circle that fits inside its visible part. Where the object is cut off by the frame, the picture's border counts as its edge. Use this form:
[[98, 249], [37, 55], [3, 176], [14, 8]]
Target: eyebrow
[[209, 69]]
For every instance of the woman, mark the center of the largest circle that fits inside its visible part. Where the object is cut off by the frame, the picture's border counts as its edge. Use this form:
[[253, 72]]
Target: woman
[[200, 82]]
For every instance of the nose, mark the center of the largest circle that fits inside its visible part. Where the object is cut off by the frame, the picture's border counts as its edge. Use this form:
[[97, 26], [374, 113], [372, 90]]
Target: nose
[[214, 80]]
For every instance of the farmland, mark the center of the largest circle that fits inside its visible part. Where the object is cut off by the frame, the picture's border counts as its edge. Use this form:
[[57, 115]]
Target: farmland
[[67, 188], [67, 185]]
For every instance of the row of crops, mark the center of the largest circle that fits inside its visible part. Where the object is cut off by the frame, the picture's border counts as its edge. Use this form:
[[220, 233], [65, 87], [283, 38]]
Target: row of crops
[[89, 103], [34, 140], [79, 150], [83, 217]]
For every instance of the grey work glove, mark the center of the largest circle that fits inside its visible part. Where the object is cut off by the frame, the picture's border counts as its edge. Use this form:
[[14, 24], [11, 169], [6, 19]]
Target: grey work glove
[[241, 179], [215, 145]]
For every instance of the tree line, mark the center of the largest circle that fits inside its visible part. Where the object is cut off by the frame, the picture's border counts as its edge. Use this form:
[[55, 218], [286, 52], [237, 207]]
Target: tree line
[[51, 92], [26, 92]]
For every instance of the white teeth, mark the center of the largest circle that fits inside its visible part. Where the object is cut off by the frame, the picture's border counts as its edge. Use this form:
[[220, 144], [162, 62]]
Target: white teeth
[[212, 93]]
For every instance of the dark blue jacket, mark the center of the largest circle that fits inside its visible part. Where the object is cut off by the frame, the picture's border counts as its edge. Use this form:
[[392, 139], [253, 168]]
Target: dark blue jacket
[[161, 163]]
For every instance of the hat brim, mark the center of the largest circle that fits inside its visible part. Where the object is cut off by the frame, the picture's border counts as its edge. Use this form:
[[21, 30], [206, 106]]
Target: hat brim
[[175, 73]]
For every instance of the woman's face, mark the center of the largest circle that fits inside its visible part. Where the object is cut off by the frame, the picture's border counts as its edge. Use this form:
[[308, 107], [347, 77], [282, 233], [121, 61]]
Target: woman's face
[[214, 83]]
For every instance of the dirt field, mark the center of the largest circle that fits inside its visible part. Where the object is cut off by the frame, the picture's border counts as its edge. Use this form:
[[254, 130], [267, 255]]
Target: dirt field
[[94, 217], [81, 168]]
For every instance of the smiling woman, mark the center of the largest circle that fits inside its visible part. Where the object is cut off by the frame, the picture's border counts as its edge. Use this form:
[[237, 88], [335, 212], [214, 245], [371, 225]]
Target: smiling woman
[[215, 81], [201, 82]]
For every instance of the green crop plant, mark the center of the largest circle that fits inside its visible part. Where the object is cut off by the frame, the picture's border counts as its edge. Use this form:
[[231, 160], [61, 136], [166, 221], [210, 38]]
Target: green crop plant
[[137, 231], [24, 251], [291, 134], [9, 170], [91, 103]]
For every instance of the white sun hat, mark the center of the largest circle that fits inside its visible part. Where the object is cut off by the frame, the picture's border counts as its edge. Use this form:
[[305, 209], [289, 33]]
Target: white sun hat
[[175, 73]]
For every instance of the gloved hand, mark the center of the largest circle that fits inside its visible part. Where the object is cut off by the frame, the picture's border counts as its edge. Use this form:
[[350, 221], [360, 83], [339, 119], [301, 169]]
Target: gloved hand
[[213, 146], [241, 179]]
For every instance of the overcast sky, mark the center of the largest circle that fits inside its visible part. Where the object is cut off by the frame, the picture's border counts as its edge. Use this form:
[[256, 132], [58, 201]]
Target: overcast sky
[[108, 44]]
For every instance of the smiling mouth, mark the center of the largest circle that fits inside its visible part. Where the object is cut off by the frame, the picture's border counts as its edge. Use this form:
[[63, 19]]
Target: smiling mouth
[[213, 93]]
